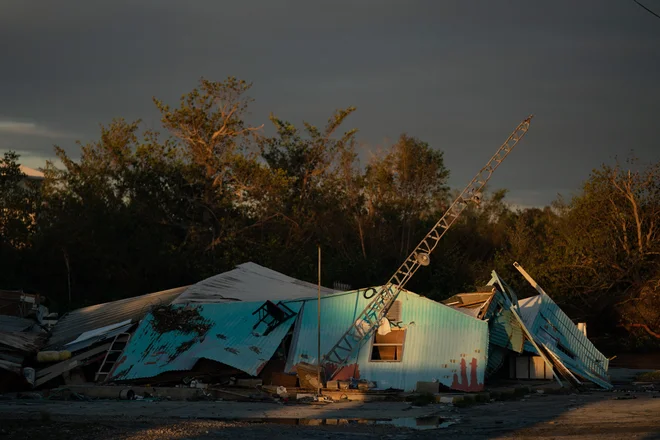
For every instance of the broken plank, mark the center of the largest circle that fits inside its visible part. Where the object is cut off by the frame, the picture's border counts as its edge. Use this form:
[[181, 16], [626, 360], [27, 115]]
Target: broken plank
[[25, 343], [11, 357], [563, 370], [53, 371], [10, 366]]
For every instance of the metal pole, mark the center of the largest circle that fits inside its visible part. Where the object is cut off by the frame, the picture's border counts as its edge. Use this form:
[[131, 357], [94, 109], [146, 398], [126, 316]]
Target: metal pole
[[68, 272], [318, 332]]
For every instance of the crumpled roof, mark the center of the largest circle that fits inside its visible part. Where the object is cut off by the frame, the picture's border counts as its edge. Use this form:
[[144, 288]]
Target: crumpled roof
[[249, 282], [219, 332], [553, 329], [77, 322]]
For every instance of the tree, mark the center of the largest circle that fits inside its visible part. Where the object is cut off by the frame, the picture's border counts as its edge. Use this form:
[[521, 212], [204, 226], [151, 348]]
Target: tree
[[19, 202], [321, 200], [209, 129], [410, 181], [209, 122], [529, 237], [117, 220], [606, 253]]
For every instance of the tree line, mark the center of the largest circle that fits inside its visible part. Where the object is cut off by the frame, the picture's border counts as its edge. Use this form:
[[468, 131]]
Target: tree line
[[142, 210]]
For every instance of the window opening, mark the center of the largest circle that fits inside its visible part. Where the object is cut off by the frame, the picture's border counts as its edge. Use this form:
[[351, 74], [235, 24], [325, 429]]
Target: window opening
[[389, 347]]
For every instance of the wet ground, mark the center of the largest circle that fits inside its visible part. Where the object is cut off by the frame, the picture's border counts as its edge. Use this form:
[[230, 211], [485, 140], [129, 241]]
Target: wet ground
[[594, 415]]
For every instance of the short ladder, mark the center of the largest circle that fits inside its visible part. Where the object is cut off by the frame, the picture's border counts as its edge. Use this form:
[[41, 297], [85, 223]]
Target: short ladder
[[112, 356]]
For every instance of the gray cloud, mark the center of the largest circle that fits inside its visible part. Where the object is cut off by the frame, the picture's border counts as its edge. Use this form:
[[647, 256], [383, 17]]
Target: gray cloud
[[458, 74], [31, 129]]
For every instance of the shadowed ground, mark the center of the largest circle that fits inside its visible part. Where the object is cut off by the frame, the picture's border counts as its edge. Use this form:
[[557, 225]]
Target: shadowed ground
[[593, 415]]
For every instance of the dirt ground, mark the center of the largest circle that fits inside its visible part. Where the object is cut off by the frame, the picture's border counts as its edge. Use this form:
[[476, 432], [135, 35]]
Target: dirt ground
[[594, 415]]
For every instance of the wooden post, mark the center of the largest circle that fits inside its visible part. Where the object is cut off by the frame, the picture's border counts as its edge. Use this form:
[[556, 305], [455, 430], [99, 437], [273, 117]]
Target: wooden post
[[318, 332]]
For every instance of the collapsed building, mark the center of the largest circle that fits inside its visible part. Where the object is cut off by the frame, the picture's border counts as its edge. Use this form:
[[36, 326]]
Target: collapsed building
[[253, 322], [457, 344], [532, 336], [75, 348], [421, 341], [256, 322]]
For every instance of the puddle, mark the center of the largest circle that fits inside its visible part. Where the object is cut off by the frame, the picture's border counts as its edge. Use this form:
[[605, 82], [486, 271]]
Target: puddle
[[421, 423], [417, 423]]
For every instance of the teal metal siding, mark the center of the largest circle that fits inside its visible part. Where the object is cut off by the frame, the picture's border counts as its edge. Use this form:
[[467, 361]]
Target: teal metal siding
[[230, 339], [440, 344], [496, 357], [552, 327], [505, 330]]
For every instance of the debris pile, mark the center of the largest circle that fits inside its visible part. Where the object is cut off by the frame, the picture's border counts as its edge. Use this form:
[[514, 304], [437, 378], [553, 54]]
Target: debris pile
[[182, 319], [22, 334]]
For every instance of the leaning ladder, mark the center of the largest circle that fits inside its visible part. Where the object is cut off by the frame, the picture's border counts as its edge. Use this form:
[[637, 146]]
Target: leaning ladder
[[112, 355]]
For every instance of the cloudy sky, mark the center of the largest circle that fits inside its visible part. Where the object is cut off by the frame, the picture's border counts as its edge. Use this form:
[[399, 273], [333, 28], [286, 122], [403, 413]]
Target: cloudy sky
[[458, 74]]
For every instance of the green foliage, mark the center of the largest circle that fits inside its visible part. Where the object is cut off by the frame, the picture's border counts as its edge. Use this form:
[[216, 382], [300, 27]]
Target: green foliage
[[19, 201], [649, 376]]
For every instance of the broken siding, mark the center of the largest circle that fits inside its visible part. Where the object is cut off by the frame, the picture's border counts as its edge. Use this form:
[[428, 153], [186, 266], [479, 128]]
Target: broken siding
[[440, 343], [226, 336], [505, 330], [553, 328], [16, 346]]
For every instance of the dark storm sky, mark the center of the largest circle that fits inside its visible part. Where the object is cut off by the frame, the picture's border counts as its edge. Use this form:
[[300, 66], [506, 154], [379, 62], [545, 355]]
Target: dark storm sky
[[458, 74]]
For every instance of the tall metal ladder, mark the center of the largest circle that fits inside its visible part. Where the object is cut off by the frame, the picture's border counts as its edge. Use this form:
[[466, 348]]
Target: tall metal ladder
[[112, 356], [370, 318]]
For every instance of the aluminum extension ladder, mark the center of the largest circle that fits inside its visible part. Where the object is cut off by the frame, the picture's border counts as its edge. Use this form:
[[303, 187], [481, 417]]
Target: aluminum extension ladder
[[112, 356]]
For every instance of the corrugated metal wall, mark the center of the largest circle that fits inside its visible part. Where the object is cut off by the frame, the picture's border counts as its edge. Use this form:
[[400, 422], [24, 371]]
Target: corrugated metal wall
[[440, 344], [505, 330], [554, 328]]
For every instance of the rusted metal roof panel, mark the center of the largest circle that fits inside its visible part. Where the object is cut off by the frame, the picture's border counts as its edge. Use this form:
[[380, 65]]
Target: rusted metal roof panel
[[440, 343], [15, 323], [22, 342], [77, 322], [249, 282], [219, 332]]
